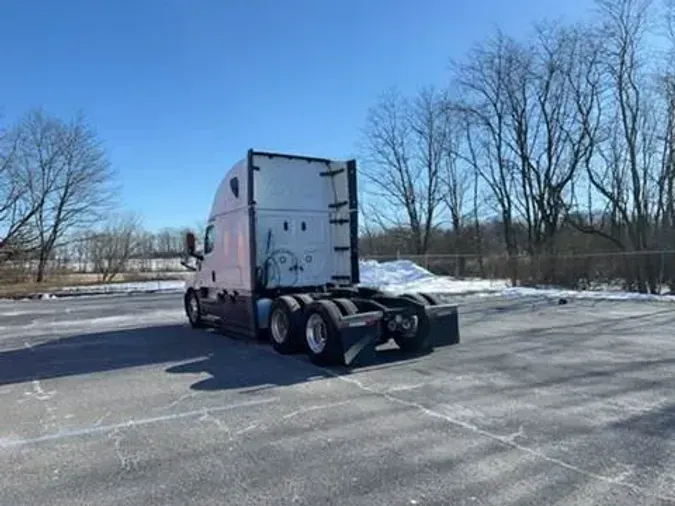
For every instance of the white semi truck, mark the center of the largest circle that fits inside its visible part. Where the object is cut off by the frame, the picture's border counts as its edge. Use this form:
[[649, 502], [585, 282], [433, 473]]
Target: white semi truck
[[280, 260]]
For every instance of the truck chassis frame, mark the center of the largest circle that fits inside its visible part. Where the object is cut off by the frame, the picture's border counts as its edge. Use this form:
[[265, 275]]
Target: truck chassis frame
[[343, 325]]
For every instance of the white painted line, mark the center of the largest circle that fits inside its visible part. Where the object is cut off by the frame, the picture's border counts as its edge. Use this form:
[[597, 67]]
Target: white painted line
[[505, 440], [6, 443], [316, 407], [406, 388]]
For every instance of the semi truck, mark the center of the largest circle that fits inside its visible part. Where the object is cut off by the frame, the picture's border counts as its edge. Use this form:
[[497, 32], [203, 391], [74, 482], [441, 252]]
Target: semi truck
[[279, 261]]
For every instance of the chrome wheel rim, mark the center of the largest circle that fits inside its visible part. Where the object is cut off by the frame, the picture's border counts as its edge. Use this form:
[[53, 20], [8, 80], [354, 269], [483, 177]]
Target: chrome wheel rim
[[279, 325], [316, 333]]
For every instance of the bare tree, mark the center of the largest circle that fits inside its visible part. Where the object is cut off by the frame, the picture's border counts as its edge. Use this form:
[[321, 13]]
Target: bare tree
[[112, 248], [67, 176], [456, 179], [146, 250], [665, 218], [548, 89], [17, 208], [404, 145], [481, 81], [455, 175], [82, 249], [164, 242], [626, 172]]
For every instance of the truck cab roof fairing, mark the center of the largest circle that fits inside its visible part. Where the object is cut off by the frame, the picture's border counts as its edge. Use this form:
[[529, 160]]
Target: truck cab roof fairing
[[226, 199]]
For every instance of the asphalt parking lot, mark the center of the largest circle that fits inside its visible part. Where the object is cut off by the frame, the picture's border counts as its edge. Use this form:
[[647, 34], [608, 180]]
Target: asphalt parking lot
[[114, 400]]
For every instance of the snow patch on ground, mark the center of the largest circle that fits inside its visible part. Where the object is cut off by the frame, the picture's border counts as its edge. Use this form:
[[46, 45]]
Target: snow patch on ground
[[585, 294], [47, 326], [114, 288], [155, 286]]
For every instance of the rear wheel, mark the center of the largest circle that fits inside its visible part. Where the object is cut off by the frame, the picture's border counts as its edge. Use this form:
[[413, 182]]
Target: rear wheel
[[416, 343], [322, 335], [193, 310], [285, 324], [419, 341]]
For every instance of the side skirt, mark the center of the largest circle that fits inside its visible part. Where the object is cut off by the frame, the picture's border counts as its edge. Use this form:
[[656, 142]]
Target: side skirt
[[235, 312]]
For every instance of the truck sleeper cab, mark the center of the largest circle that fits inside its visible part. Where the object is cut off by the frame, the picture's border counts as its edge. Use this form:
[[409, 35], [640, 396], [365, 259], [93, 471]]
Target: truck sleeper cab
[[280, 260]]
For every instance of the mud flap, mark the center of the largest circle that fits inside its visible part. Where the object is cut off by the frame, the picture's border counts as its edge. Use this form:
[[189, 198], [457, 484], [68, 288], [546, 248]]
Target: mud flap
[[443, 325], [359, 334]]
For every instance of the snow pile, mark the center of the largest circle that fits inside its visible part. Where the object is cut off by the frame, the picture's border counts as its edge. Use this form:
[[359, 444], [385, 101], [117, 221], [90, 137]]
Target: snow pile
[[403, 276], [400, 276], [376, 274], [140, 286]]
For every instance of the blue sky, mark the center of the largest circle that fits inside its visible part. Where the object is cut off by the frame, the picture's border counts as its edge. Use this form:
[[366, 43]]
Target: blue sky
[[180, 89]]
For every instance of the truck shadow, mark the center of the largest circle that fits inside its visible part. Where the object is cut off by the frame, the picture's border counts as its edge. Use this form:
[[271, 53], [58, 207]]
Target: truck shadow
[[229, 363], [256, 367], [98, 352]]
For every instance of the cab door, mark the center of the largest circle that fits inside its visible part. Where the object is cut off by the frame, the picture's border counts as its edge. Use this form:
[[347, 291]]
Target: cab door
[[206, 275]]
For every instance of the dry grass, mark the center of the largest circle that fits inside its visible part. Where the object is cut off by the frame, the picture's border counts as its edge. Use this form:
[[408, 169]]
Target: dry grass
[[55, 282]]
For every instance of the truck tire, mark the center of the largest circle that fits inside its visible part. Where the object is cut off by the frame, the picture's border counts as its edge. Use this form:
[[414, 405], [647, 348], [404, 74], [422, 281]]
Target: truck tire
[[303, 299], [346, 306], [419, 342], [193, 310], [416, 344], [285, 325], [322, 335]]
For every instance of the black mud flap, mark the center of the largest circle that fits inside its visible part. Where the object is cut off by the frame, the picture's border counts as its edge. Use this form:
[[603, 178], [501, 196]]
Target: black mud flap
[[443, 325], [359, 334]]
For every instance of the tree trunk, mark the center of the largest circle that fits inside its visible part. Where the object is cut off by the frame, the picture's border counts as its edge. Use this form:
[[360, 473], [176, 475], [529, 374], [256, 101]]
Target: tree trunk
[[42, 265]]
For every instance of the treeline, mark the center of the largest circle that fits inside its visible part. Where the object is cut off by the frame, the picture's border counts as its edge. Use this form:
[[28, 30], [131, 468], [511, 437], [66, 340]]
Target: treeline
[[561, 142], [119, 246]]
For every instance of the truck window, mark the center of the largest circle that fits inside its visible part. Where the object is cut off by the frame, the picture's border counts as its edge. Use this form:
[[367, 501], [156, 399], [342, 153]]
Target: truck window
[[209, 239], [234, 186]]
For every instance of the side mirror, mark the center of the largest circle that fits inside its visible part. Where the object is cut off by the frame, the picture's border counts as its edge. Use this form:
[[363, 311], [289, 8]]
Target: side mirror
[[190, 242]]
